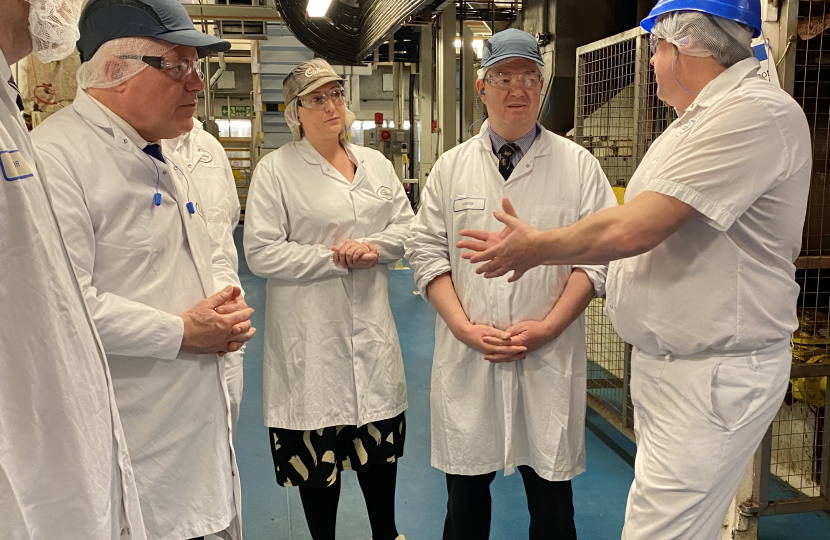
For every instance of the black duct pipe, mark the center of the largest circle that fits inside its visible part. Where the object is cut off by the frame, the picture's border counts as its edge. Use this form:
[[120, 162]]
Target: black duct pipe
[[347, 34]]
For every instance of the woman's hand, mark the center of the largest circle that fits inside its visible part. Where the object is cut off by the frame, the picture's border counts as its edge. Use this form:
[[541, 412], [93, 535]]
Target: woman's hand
[[355, 255]]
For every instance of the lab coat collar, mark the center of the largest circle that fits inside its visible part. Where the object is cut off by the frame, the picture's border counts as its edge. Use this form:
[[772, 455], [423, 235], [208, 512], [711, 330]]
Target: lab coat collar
[[123, 134], [726, 82], [6, 74], [313, 157]]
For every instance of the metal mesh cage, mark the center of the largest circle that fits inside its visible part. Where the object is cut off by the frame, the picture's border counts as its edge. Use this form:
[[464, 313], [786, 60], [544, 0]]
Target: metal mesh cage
[[618, 116], [799, 446]]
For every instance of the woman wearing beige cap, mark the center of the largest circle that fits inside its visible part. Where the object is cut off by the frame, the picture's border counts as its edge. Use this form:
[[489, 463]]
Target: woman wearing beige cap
[[323, 220]]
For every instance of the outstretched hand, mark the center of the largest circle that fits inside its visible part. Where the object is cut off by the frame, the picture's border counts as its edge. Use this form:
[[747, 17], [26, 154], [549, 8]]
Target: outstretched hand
[[513, 248]]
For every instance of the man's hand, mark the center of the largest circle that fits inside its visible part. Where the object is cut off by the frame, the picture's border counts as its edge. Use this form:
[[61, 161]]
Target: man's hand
[[514, 248], [530, 334], [494, 343], [485, 240], [357, 255], [207, 332]]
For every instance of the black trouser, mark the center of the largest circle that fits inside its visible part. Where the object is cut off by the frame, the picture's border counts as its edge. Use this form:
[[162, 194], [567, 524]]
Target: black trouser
[[469, 507], [378, 487]]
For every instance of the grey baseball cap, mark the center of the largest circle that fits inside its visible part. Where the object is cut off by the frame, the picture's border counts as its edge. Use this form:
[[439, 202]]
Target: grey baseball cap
[[104, 20], [510, 43], [307, 77]]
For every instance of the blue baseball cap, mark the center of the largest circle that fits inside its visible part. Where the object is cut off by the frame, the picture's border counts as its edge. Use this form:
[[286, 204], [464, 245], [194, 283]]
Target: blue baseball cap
[[510, 43], [105, 20]]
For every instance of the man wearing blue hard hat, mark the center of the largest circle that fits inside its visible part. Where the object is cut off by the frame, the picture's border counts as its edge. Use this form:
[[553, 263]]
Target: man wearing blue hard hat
[[165, 299], [509, 369], [702, 275]]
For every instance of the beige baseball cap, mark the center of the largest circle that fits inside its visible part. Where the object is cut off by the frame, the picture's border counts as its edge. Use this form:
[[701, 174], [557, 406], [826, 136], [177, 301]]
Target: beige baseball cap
[[307, 77]]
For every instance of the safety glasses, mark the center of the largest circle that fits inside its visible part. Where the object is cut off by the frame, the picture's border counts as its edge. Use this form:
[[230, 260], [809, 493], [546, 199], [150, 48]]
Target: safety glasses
[[319, 100], [178, 68], [505, 81], [653, 43]]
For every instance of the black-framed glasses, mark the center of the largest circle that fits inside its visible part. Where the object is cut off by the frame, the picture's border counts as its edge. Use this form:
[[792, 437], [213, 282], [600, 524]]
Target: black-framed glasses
[[179, 69], [505, 81], [319, 100]]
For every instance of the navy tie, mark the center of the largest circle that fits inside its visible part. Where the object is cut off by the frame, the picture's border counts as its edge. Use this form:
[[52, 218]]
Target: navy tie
[[154, 150], [505, 154], [19, 101]]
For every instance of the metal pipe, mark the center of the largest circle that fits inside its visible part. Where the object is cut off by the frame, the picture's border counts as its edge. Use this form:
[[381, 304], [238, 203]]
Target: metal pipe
[[219, 72]]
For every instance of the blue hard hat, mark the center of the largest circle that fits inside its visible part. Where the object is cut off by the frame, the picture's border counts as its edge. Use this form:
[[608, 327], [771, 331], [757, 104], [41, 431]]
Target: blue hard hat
[[747, 12], [510, 43], [104, 20]]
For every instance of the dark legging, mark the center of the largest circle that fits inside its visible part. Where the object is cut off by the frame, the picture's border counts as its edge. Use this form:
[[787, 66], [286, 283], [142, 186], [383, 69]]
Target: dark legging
[[378, 487], [469, 507]]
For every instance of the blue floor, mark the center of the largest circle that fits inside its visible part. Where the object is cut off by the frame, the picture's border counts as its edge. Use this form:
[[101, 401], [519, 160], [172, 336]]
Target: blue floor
[[271, 512]]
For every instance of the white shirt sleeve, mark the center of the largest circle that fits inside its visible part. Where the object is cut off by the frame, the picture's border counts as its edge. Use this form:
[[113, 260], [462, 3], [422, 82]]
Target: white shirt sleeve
[[427, 248], [268, 251], [390, 241], [731, 157], [225, 259], [126, 327], [596, 194]]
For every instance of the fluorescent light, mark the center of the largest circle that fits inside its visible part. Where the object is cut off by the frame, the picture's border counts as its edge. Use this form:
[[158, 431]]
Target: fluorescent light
[[318, 8], [457, 43]]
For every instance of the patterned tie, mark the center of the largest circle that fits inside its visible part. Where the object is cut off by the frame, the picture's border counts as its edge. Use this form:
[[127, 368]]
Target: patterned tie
[[504, 155], [154, 150], [14, 86]]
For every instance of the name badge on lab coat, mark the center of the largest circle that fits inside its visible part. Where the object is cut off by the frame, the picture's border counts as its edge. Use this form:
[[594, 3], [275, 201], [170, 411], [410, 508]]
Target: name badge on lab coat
[[13, 165], [467, 203]]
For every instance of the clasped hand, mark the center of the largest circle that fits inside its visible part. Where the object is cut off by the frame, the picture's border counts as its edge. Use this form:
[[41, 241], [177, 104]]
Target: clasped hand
[[506, 345], [218, 324], [355, 255]]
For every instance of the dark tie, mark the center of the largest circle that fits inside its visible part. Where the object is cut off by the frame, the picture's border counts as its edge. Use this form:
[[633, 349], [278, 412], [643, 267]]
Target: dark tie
[[19, 101], [504, 154], [154, 150]]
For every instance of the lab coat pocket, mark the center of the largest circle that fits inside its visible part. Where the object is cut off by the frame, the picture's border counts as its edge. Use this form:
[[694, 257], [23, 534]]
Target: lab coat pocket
[[734, 387]]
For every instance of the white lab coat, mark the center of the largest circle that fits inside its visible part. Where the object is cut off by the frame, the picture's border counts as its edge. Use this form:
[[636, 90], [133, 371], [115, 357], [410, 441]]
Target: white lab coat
[[64, 467], [205, 160], [332, 355], [140, 266], [488, 416]]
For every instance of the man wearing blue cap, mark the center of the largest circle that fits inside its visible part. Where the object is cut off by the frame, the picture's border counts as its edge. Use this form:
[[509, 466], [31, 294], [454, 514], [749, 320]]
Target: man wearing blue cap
[[702, 279], [509, 370], [164, 298]]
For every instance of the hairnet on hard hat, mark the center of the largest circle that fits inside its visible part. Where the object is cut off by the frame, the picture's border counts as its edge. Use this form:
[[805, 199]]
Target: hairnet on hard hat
[[746, 12], [118, 60], [292, 118], [701, 34], [53, 25]]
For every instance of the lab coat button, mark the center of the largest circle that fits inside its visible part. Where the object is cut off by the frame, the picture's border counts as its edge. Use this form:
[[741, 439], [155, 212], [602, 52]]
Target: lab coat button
[[189, 166], [124, 141], [123, 532], [164, 173]]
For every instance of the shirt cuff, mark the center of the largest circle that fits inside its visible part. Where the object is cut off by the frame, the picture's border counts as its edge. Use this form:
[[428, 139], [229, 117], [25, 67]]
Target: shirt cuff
[[716, 214]]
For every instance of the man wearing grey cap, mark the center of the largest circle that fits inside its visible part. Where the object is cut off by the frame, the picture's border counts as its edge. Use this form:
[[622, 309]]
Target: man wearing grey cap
[[509, 369], [164, 298]]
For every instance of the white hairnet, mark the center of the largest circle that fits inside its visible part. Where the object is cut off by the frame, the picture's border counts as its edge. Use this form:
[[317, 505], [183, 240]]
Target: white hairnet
[[701, 34], [292, 118], [119, 60], [53, 25]]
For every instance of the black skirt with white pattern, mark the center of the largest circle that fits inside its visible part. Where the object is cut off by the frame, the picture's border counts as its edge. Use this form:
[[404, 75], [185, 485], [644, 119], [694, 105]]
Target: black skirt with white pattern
[[316, 457]]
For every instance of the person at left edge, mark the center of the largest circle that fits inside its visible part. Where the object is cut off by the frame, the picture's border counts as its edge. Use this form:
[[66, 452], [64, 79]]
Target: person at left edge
[[65, 470], [135, 232]]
